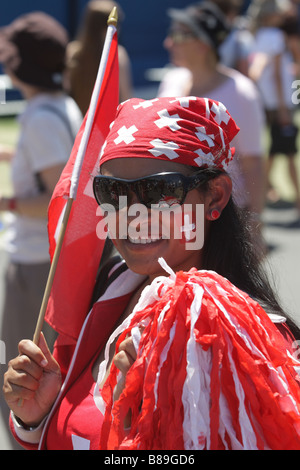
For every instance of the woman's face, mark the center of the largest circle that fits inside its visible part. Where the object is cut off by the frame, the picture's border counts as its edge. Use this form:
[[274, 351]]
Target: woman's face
[[173, 237], [183, 46]]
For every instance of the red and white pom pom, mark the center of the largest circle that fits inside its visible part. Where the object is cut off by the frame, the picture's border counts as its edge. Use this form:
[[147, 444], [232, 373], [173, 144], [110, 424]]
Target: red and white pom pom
[[212, 372]]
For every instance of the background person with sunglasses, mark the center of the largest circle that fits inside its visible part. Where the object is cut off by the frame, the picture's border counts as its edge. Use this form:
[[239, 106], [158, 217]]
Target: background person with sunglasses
[[176, 353], [193, 42]]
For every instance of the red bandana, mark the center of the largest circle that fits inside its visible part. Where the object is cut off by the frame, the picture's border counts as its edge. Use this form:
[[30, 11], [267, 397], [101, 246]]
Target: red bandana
[[192, 131]]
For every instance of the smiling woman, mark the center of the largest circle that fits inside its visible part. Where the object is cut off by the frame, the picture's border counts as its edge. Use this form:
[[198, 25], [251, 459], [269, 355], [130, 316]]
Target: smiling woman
[[184, 347], [142, 164]]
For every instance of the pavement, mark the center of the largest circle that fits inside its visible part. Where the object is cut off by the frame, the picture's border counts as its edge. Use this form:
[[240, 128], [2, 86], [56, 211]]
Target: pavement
[[282, 234]]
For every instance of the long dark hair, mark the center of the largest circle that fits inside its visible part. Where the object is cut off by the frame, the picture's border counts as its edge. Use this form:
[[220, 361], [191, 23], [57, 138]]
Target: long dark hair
[[231, 251]]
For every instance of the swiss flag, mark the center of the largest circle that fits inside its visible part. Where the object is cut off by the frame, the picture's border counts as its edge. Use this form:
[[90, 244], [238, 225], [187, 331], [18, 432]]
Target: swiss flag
[[81, 250]]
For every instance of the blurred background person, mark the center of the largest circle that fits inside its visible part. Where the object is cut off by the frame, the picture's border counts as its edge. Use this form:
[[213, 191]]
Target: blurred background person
[[235, 49], [193, 43], [290, 25], [84, 53], [272, 68], [32, 51]]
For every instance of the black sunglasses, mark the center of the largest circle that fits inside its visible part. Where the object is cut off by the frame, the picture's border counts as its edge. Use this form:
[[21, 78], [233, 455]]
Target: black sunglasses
[[161, 189], [180, 37]]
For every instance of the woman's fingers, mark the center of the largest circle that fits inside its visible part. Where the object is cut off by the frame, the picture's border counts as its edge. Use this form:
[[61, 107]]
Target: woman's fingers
[[126, 355], [32, 381], [25, 372], [33, 352], [52, 365]]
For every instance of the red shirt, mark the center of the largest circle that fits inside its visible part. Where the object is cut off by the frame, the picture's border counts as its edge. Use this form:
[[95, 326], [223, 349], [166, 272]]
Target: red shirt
[[75, 419], [76, 424]]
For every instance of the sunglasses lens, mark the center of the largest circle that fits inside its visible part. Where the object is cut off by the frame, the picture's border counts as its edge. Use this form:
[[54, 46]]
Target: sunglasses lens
[[161, 192], [108, 191], [180, 37]]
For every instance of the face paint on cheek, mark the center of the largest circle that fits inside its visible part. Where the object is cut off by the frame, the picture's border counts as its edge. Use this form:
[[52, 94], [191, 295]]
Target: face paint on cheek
[[190, 224], [188, 227]]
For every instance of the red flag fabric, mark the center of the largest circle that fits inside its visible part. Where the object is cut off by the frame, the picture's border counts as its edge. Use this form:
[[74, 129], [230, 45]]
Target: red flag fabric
[[81, 250]]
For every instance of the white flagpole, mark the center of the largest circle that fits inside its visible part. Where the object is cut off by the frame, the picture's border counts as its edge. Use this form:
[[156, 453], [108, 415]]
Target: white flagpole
[[112, 23]]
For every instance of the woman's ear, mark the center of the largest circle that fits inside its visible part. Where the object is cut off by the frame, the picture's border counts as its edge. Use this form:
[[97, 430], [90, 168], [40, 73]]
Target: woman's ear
[[220, 190]]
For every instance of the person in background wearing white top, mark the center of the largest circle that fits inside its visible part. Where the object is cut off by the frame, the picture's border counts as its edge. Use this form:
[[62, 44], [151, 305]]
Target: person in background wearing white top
[[32, 51], [271, 67], [235, 49], [193, 41]]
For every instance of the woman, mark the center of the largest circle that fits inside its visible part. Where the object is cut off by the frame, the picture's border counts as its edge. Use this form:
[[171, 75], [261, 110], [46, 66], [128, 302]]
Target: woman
[[195, 36], [181, 329]]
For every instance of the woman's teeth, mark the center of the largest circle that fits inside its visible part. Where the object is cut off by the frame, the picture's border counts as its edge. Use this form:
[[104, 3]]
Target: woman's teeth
[[143, 241]]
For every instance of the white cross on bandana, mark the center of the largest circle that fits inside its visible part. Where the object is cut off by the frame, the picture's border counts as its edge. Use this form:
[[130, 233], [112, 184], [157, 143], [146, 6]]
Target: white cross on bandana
[[167, 149], [201, 134], [145, 104], [126, 135], [188, 130], [167, 121]]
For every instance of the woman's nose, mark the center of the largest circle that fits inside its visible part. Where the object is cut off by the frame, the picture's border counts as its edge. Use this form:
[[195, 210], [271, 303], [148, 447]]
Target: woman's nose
[[132, 199]]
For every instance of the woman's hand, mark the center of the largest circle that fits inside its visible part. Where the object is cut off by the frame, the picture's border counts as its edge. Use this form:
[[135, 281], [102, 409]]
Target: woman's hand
[[32, 382], [123, 360]]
